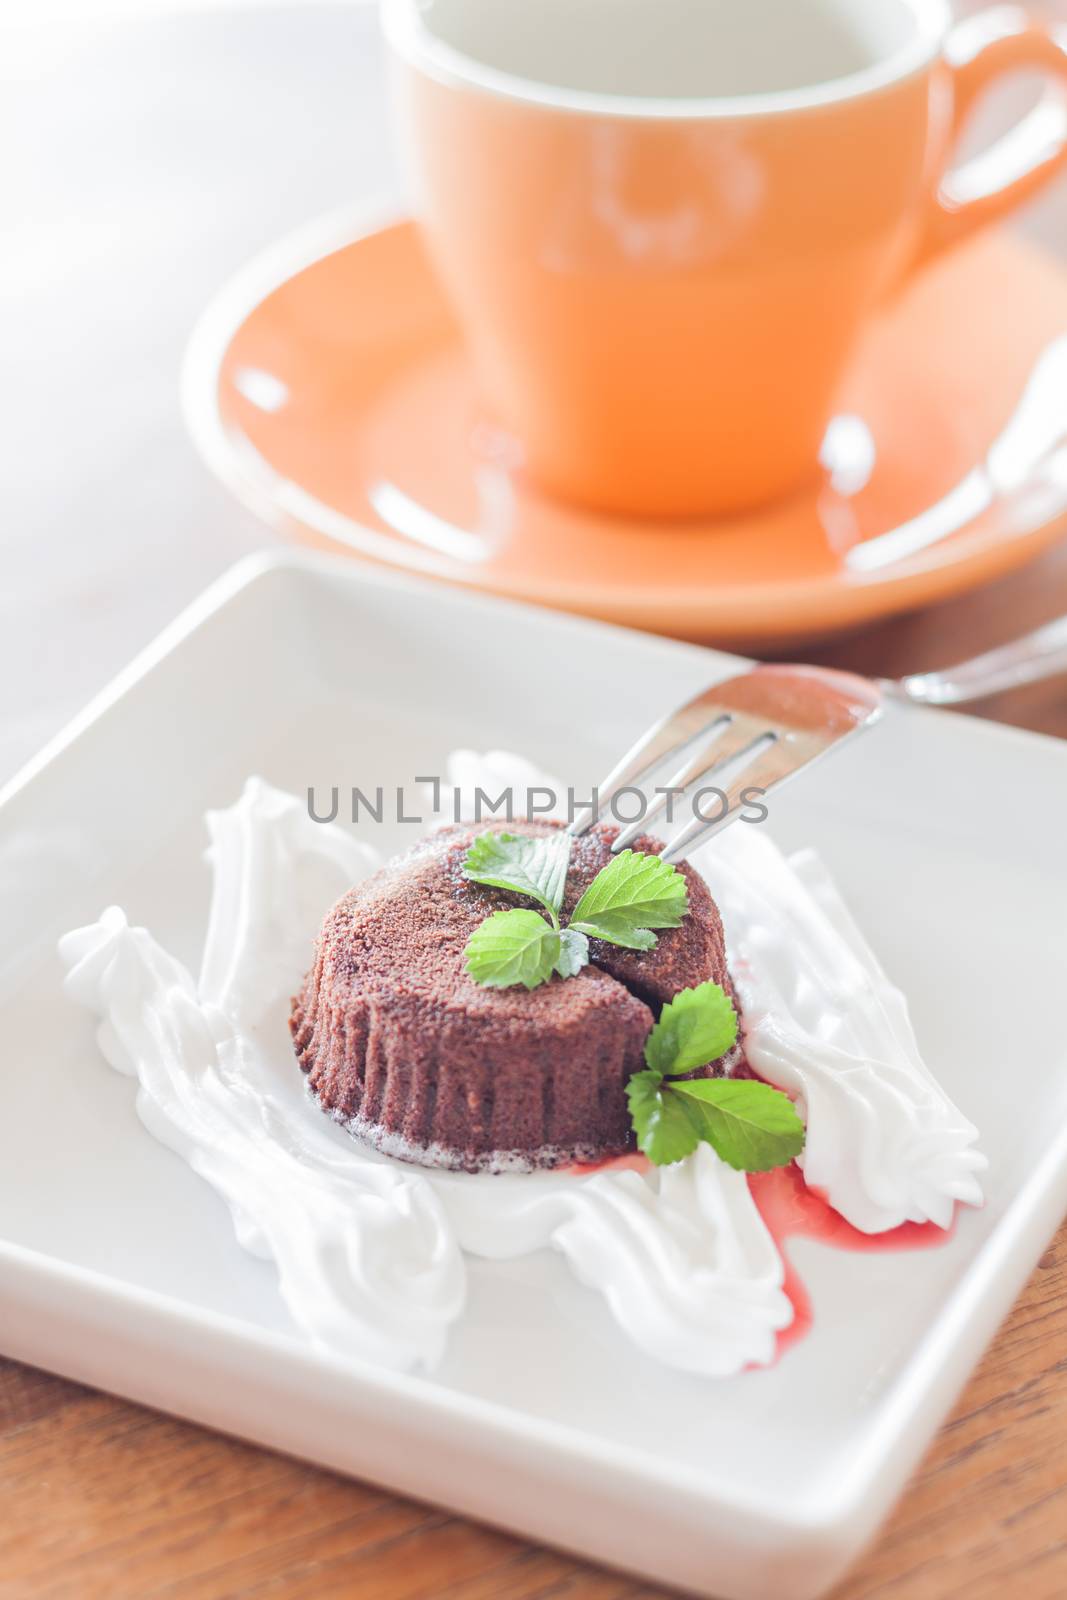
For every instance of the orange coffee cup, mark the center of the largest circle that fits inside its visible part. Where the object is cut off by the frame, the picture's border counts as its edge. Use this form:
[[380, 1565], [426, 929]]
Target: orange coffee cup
[[663, 224]]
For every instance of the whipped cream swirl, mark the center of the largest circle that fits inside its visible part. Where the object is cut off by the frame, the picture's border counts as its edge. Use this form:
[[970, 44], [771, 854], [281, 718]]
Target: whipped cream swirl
[[681, 1254], [367, 1263], [370, 1251], [885, 1144]]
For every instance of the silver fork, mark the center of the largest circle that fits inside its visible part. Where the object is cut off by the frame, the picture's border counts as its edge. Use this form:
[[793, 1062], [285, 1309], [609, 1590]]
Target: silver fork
[[744, 737]]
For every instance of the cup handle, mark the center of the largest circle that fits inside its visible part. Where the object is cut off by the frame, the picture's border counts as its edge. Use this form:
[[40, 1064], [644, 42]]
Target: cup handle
[[978, 51]]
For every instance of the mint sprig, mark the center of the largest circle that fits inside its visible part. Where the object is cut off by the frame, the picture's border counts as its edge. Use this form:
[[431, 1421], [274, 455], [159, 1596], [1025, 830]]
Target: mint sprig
[[513, 947], [749, 1125], [666, 1131], [623, 904], [536, 867], [699, 1025], [628, 898]]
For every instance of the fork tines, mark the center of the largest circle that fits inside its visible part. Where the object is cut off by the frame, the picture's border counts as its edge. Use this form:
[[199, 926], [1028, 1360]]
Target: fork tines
[[729, 746]]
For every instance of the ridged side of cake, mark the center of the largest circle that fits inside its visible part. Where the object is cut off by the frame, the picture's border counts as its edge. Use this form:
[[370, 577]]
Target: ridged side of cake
[[404, 1048], [495, 1090]]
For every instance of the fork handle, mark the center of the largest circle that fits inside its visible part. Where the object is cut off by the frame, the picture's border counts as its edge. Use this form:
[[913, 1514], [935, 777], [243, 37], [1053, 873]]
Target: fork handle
[[1036, 655]]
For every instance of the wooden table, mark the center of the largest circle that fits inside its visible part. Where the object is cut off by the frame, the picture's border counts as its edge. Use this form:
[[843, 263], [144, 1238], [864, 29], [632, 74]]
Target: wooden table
[[153, 159]]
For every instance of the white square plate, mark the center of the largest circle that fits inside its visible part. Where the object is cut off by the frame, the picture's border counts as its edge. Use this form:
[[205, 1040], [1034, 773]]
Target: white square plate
[[119, 1267]]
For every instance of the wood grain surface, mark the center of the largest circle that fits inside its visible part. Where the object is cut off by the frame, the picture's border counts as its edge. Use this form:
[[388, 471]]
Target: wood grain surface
[[109, 526]]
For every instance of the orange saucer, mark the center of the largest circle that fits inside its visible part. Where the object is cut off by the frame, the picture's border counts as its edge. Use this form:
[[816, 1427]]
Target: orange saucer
[[328, 387]]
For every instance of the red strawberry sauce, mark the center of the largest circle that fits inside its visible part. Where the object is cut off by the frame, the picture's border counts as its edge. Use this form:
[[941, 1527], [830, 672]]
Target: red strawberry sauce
[[791, 1210]]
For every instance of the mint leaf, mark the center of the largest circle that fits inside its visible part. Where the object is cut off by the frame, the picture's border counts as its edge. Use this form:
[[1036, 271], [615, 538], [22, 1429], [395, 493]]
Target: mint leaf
[[573, 952], [617, 930], [629, 897], [513, 947], [533, 867], [750, 1125], [667, 1128], [699, 1025]]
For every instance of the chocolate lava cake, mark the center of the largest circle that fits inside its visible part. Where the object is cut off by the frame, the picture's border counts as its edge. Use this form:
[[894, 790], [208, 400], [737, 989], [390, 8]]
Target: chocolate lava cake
[[401, 1045]]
